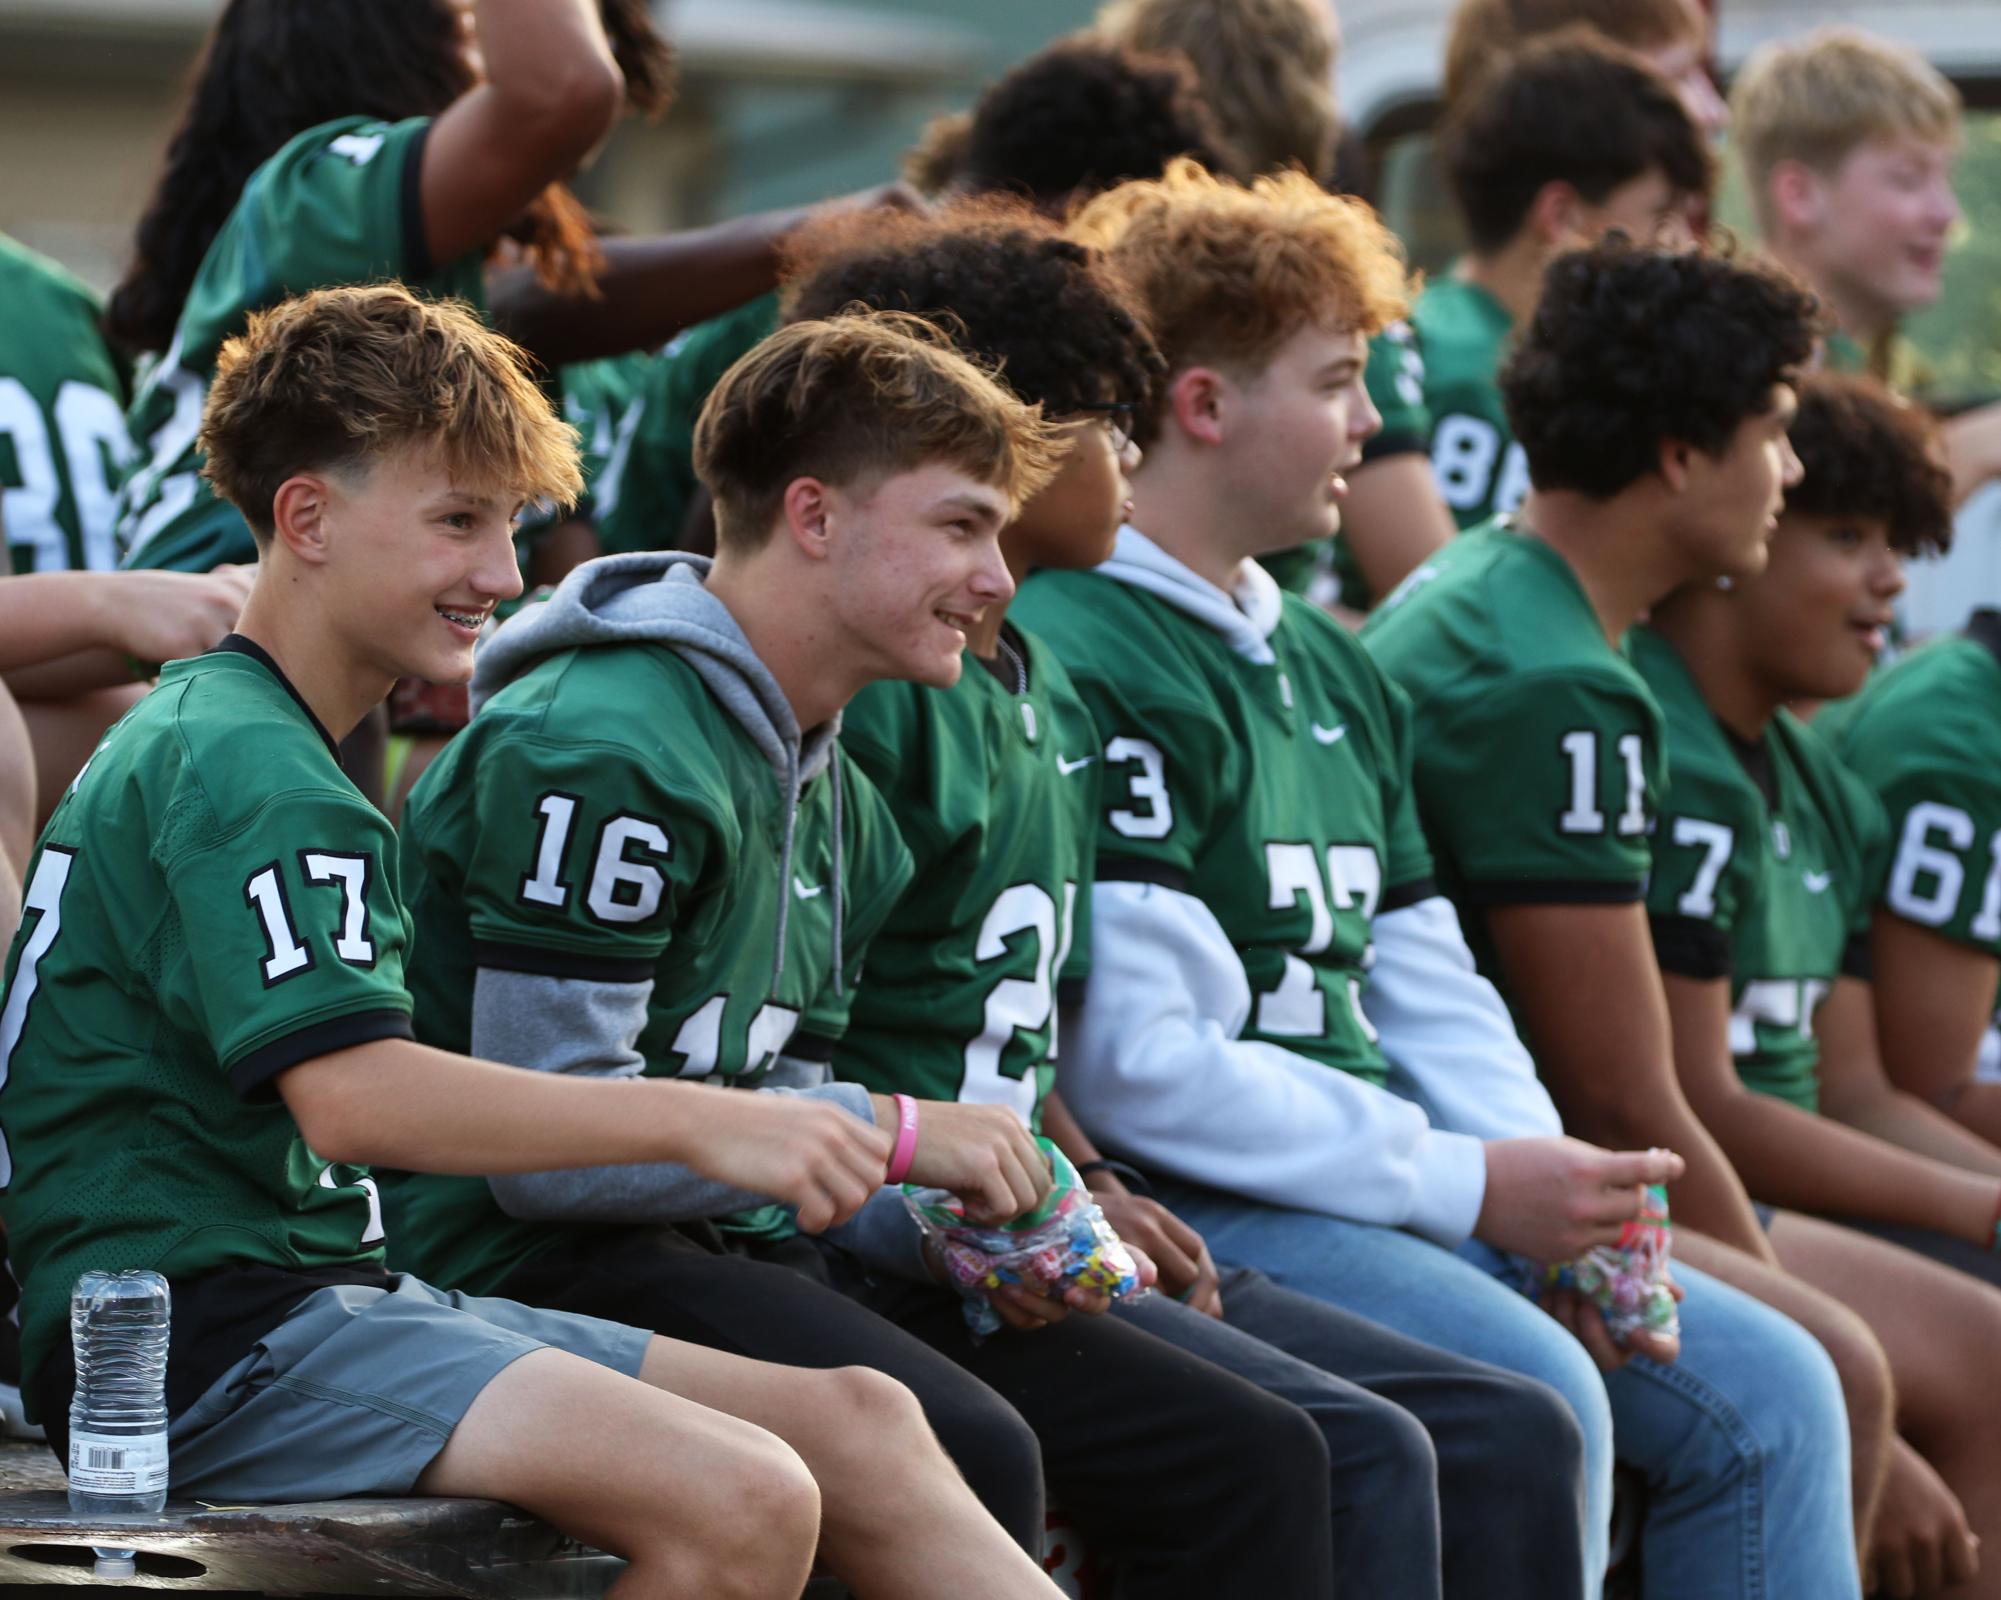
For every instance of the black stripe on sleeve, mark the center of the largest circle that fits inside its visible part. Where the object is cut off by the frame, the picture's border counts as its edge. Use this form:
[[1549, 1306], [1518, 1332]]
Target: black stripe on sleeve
[[1552, 892], [1691, 948], [252, 1076], [814, 1047], [1856, 960], [1400, 443], [1070, 991], [1399, 895], [417, 262], [562, 963], [1137, 869]]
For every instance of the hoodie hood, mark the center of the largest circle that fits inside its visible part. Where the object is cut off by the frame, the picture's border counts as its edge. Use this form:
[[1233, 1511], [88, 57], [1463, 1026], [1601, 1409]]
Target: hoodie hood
[[1246, 618], [661, 597]]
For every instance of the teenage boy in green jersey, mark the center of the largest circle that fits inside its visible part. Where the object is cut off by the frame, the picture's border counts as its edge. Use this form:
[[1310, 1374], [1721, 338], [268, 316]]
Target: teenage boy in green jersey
[[1507, 645], [1570, 139], [1266, 943], [994, 785], [206, 1036], [648, 856], [1767, 855], [1848, 142]]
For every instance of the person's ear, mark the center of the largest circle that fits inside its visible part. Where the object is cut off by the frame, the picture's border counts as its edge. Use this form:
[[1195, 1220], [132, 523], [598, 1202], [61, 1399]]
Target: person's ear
[[1558, 214], [1674, 461], [1799, 197], [300, 517], [1199, 401], [807, 514]]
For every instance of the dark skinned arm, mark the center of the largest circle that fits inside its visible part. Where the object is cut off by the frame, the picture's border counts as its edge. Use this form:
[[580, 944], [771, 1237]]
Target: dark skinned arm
[[1588, 991], [1856, 1090], [1934, 1001], [1393, 518], [1791, 1157]]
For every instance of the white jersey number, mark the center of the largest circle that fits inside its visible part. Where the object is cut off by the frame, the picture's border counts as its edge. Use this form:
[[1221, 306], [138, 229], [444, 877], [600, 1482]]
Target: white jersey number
[[1017, 1005]]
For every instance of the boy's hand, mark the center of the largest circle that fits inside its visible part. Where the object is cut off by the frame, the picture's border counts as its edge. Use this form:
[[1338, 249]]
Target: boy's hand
[[168, 616], [1553, 1199], [810, 1154], [1025, 1309], [1921, 1543], [1148, 1227], [982, 1154], [1587, 1325]]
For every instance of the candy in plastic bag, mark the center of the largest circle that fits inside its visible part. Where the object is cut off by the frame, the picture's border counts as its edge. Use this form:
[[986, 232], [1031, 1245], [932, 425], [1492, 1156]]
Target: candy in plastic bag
[[1628, 1281], [1062, 1242]]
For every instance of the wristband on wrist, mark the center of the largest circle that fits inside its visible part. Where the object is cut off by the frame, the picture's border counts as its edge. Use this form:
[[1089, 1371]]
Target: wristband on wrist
[[1131, 1177], [906, 1139]]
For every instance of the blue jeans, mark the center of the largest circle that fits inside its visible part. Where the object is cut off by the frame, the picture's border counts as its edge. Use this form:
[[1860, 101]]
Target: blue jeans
[[1743, 1442]]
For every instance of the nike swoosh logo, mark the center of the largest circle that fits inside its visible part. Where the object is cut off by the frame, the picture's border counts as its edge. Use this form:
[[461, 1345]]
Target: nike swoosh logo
[[1333, 735], [1817, 882], [805, 893], [1068, 767]]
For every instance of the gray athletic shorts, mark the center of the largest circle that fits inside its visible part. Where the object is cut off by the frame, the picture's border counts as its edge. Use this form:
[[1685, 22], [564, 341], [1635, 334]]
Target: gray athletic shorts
[[357, 1390]]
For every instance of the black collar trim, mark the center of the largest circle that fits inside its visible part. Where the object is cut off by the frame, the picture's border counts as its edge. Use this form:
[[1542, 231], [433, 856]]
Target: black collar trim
[[236, 644], [1984, 629]]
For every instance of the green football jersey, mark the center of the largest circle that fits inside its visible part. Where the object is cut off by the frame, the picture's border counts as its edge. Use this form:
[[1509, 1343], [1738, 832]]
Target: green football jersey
[[995, 791], [602, 401], [212, 903], [338, 204], [1925, 735], [1766, 860], [1277, 794], [1539, 748], [604, 817], [1464, 333], [1324, 570], [657, 485], [63, 444]]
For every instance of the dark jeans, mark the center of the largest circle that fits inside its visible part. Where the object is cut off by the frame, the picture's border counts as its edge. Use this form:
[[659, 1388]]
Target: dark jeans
[[1194, 1481], [1509, 1455]]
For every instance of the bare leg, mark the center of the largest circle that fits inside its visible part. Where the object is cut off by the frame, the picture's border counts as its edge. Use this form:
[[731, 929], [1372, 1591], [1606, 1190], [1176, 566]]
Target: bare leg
[[697, 1502], [1858, 1358], [1940, 1329], [897, 1520]]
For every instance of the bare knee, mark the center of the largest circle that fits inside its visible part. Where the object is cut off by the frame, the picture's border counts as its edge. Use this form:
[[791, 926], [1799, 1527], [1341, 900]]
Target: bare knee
[[759, 1528], [873, 1415], [1864, 1369]]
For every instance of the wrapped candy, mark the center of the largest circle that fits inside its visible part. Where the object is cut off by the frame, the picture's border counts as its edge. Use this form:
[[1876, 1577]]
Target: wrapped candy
[[1628, 1281], [1064, 1241]]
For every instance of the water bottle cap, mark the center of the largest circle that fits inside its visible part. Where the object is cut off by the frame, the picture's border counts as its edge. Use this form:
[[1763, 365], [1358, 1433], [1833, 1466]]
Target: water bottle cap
[[121, 1565]]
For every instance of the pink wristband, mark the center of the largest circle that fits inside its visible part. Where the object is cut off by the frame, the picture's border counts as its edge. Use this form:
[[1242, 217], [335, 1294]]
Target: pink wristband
[[906, 1139]]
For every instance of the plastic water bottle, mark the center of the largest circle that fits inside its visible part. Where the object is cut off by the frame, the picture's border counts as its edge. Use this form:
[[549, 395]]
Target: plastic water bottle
[[118, 1420]]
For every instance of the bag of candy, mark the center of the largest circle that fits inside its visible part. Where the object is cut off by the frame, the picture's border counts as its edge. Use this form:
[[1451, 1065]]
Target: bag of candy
[[1628, 1281], [1064, 1241]]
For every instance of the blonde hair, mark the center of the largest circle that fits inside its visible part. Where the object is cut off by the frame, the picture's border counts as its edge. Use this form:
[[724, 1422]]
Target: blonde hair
[[1485, 33], [862, 395], [1815, 98], [1226, 272], [345, 376], [1265, 67]]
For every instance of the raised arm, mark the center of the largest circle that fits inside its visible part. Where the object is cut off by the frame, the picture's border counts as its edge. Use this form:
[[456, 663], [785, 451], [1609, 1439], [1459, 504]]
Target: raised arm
[[551, 93]]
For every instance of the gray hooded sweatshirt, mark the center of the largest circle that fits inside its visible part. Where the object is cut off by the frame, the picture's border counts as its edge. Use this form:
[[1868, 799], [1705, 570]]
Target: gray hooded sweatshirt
[[590, 1027]]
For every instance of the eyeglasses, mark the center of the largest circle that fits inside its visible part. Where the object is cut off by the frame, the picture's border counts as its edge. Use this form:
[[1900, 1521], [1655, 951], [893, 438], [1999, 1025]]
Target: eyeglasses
[[1117, 416]]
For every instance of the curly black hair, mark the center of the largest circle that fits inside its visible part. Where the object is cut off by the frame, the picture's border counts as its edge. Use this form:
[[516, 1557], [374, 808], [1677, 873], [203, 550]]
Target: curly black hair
[[1082, 116], [1573, 108], [1630, 346], [1005, 284], [1868, 453]]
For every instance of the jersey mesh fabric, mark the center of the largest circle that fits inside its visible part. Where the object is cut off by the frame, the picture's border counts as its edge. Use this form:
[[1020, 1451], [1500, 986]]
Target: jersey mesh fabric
[[1276, 794], [63, 442], [656, 787], [1783, 883], [996, 795], [211, 903]]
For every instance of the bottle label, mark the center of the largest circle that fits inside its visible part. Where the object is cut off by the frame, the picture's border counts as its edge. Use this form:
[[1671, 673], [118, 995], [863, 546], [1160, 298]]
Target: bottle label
[[100, 1463]]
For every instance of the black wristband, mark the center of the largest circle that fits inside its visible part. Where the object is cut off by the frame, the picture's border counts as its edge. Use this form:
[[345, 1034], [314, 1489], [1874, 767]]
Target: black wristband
[[1131, 1177]]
